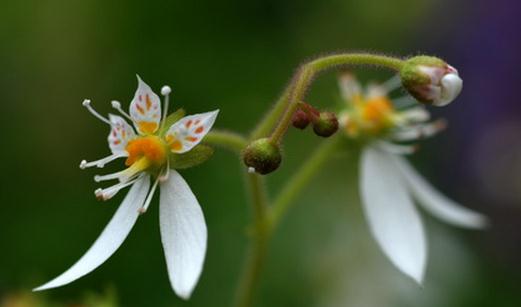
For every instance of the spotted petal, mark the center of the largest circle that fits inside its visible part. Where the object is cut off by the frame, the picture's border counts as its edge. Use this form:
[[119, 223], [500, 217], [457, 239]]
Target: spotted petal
[[189, 131], [436, 203], [183, 234], [110, 239], [145, 109], [120, 134], [392, 217]]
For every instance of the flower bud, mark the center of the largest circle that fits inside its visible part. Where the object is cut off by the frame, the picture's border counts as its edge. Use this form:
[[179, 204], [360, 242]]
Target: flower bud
[[326, 124], [262, 156], [431, 80], [300, 120]]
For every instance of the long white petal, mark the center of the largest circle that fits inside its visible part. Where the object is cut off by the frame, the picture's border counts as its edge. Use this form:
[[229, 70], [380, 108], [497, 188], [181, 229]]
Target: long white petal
[[392, 217], [436, 203], [110, 239], [183, 233]]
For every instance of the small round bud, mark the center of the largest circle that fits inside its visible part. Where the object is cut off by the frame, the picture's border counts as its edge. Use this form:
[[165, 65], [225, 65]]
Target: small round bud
[[86, 102], [326, 124], [165, 90], [262, 156], [300, 120], [431, 80]]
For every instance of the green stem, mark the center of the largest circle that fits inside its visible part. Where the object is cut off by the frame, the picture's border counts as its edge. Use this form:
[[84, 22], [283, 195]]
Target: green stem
[[270, 120], [229, 140], [258, 249], [300, 179], [307, 72]]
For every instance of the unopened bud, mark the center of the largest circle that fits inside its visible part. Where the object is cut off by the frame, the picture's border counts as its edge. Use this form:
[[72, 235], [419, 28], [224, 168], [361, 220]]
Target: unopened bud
[[326, 124], [300, 119], [430, 80], [262, 156]]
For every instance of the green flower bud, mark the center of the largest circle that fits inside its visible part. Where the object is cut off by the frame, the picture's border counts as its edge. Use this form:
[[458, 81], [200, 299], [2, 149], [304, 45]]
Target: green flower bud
[[430, 80], [262, 156], [326, 124]]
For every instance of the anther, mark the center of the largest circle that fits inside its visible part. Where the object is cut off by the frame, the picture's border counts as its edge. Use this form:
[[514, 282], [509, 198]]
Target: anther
[[86, 104], [83, 164], [166, 90], [117, 105]]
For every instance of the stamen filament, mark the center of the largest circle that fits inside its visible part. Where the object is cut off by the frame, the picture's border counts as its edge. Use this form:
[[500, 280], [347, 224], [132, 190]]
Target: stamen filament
[[86, 104], [117, 175], [101, 162], [108, 193], [393, 83], [416, 132], [150, 195], [117, 105], [165, 91], [397, 149], [166, 173], [404, 102]]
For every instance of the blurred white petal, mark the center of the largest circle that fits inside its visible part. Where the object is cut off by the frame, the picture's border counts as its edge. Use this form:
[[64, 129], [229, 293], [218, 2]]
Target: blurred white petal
[[110, 239], [183, 233], [436, 203], [392, 217]]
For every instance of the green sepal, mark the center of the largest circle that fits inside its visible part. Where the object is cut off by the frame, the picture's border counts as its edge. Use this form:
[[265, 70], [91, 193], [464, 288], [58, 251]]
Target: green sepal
[[172, 119], [194, 157]]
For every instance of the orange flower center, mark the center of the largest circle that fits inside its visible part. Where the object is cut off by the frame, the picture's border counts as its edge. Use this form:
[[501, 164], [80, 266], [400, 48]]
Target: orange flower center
[[151, 147], [377, 113]]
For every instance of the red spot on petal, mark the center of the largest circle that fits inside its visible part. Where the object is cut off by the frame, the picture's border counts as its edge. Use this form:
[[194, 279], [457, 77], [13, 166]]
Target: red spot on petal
[[191, 139], [148, 102], [199, 129], [140, 109], [188, 123]]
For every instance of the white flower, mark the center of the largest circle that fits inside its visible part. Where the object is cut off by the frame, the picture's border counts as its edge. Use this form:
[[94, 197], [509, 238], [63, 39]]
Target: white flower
[[148, 153], [431, 80], [445, 84], [389, 185]]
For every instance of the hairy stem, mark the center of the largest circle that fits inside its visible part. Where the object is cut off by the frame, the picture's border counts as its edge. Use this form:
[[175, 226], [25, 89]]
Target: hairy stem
[[226, 139], [270, 120], [307, 72], [258, 248]]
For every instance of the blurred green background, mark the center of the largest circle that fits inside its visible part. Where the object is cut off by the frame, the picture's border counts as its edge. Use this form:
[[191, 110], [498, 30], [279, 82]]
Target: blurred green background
[[237, 56]]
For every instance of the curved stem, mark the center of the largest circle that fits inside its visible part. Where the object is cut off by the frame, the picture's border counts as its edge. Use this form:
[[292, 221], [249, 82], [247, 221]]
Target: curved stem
[[307, 72], [271, 118], [226, 139], [258, 249], [300, 179]]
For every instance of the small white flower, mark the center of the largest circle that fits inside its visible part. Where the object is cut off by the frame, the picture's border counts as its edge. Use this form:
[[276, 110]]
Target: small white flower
[[431, 80], [148, 153], [445, 84], [389, 184]]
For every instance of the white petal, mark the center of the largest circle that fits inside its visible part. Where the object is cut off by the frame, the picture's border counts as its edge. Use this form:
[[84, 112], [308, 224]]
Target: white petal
[[145, 109], [120, 134], [436, 203], [183, 233], [392, 217], [110, 239], [451, 85], [189, 131]]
